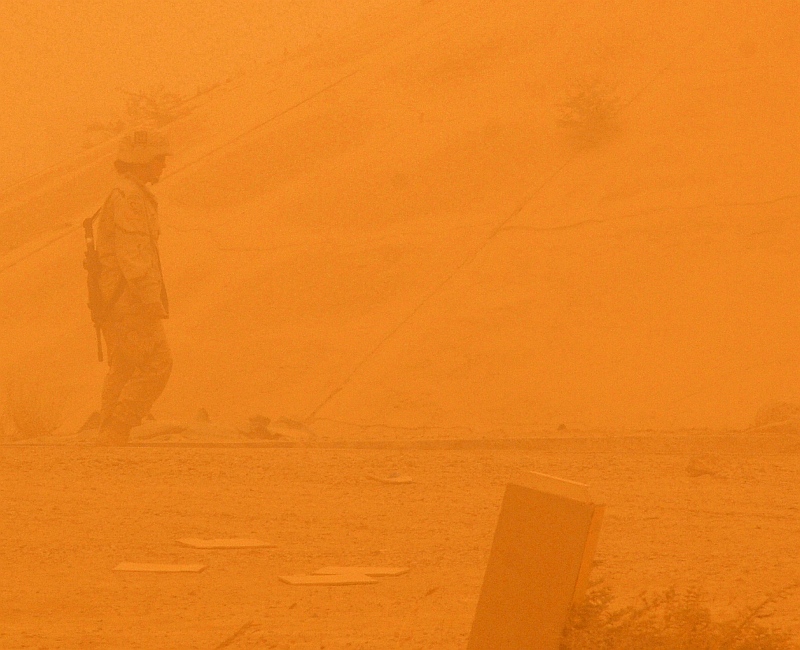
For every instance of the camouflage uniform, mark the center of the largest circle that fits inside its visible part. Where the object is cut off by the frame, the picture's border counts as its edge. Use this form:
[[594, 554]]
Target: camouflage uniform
[[131, 282]]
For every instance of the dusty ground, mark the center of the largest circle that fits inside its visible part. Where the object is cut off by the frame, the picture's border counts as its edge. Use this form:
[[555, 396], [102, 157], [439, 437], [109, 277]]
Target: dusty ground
[[72, 513]]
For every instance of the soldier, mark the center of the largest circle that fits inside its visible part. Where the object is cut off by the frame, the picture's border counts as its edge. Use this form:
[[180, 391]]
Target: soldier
[[132, 287]]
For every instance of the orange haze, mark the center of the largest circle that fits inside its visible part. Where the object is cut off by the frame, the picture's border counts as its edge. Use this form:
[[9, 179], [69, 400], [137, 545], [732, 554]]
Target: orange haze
[[389, 221]]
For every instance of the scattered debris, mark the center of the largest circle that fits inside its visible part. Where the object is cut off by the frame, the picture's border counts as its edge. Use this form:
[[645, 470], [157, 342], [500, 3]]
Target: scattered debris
[[372, 571], [291, 424], [336, 580], [192, 432], [392, 479], [160, 568], [777, 417], [259, 428], [234, 542], [695, 471], [241, 630], [155, 429], [202, 416], [698, 467]]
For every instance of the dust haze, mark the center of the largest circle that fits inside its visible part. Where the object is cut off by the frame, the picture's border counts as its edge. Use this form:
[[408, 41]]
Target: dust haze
[[68, 65], [412, 247]]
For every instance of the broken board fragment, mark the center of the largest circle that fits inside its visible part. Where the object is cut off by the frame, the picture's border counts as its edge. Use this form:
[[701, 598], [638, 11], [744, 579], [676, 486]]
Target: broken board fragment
[[374, 571], [341, 579], [160, 568], [392, 479], [194, 542], [539, 564]]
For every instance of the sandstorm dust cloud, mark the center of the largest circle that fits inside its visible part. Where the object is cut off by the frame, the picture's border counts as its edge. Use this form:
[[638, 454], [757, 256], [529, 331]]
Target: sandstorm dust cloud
[[410, 250], [66, 65]]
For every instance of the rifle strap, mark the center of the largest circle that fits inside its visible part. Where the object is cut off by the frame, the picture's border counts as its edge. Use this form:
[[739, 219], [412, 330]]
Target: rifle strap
[[90, 242], [116, 296]]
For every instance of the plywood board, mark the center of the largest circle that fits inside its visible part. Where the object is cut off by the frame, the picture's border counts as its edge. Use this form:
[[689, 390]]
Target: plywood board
[[553, 485], [539, 564], [374, 571], [233, 542], [328, 580], [582, 583], [392, 480], [159, 568]]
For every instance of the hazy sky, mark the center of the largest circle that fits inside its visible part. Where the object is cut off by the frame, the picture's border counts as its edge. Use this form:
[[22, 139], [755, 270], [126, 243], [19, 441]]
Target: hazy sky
[[63, 61]]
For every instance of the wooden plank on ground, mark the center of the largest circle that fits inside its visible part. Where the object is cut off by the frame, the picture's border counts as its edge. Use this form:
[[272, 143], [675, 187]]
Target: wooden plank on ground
[[328, 580], [234, 542], [374, 571], [159, 568], [393, 479]]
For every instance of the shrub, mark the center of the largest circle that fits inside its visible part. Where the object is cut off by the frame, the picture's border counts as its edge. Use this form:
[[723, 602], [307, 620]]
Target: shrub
[[589, 112], [155, 106], [34, 406], [669, 621]]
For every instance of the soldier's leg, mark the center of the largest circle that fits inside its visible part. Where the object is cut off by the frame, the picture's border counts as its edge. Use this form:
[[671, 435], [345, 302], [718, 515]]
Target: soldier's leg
[[121, 366], [153, 368], [122, 358]]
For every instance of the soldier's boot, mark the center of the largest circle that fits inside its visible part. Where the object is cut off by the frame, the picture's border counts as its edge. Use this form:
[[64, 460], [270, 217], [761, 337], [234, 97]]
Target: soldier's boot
[[113, 433], [92, 422]]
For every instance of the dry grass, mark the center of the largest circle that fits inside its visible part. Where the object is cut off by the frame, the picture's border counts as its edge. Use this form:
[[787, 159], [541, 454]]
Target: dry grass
[[589, 112], [34, 404], [670, 621]]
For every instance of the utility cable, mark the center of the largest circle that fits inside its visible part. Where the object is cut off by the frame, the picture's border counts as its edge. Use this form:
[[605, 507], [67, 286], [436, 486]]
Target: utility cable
[[472, 255], [237, 138]]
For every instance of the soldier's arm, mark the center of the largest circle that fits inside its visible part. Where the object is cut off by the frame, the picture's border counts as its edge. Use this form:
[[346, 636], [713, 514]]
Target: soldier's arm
[[135, 250]]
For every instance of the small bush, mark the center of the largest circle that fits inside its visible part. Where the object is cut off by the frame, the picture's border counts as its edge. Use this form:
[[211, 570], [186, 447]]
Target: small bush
[[34, 406], [589, 113], [155, 106], [669, 621]]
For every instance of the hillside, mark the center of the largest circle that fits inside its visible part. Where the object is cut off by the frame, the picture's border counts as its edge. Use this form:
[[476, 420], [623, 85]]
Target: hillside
[[393, 232]]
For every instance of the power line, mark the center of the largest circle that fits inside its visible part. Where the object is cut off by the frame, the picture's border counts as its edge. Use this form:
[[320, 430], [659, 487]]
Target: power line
[[501, 226]]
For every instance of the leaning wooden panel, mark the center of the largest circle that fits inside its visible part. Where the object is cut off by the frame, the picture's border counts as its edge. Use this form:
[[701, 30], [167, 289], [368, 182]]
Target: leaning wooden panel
[[541, 555]]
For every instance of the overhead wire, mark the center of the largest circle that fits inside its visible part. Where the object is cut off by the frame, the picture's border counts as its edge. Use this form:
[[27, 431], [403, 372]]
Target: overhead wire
[[472, 255], [260, 125]]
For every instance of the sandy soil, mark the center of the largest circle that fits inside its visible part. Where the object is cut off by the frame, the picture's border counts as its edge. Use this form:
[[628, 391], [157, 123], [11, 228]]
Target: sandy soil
[[72, 513]]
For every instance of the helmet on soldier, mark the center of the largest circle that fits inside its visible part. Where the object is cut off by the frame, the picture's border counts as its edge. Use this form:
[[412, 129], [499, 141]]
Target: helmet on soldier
[[142, 147]]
